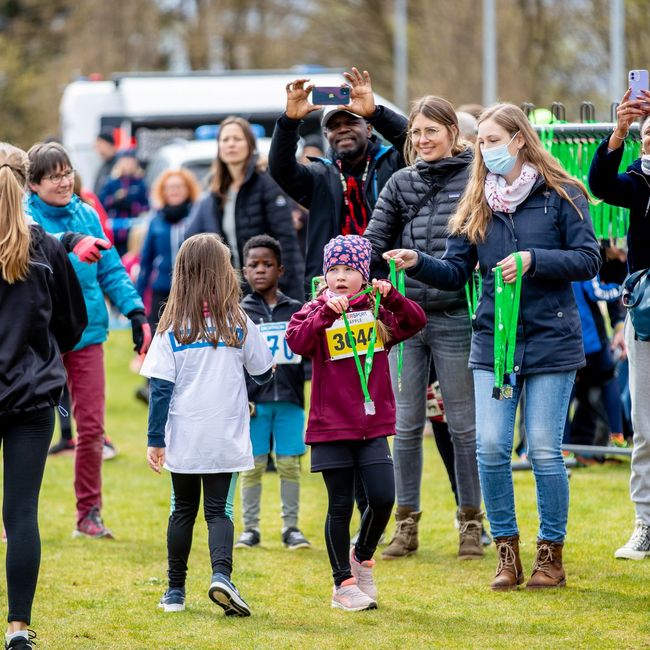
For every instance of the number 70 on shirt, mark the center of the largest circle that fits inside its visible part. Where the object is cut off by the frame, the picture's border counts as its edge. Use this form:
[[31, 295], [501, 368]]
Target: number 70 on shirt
[[275, 335]]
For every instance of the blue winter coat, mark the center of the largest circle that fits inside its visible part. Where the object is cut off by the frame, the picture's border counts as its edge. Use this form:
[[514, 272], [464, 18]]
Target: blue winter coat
[[587, 295], [629, 190], [106, 276], [159, 252], [563, 249]]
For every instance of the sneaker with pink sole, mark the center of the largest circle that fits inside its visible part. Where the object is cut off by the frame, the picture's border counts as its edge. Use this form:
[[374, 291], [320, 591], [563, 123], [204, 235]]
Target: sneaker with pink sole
[[92, 526], [350, 598], [362, 572]]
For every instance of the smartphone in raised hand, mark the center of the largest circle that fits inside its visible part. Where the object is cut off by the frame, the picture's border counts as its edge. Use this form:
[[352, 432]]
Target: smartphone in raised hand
[[330, 95], [638, 81]]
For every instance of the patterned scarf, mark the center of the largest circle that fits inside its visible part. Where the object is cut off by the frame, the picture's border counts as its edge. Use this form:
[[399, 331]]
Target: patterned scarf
[[502, 197]]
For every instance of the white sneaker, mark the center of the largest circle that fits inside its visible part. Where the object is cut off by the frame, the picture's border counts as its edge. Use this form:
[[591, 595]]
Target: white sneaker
[[638, 546], [362, 573], [350, 598]]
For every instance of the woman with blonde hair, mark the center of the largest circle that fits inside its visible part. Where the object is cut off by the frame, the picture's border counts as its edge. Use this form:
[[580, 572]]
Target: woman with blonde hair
[[42, 314], [243, 201], [414, 207], [526, 222]]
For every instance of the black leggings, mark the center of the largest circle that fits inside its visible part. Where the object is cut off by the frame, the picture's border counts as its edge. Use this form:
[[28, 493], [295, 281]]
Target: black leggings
[[218, 515], [378, 482], [26, 439]]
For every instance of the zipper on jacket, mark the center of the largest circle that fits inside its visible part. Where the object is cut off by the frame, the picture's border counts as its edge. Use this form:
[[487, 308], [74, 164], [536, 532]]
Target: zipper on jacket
[[547, 196], [269, 311]]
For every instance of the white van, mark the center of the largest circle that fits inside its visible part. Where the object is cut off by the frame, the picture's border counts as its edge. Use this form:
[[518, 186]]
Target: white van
[[149, 110]]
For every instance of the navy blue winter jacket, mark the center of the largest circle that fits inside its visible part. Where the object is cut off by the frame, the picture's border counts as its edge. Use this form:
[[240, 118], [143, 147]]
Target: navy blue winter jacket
[[563, 249], [159, 253], [629, 190]]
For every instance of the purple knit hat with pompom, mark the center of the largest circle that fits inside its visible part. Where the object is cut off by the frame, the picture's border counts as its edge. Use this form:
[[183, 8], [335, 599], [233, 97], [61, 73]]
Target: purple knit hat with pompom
[[351, 250]]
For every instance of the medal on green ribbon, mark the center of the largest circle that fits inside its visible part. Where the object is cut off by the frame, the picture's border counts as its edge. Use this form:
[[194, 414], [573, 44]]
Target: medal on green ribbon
[[507, 298], [398, 281], [365, 369]]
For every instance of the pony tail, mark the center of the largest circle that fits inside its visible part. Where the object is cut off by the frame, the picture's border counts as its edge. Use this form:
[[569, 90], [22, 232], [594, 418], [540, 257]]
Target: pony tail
[[14, 231]]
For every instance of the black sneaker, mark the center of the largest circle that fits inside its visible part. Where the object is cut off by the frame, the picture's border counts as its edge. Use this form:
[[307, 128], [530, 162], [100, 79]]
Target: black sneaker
[[225, 594], [292, 538], [250, 538], [62, 447], [21, 643], [173, 600], [142, 394]]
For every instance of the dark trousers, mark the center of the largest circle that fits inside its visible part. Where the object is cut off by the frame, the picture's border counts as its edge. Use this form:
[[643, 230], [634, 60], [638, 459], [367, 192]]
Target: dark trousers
[[378, 483], [218, 492], [25, 438]]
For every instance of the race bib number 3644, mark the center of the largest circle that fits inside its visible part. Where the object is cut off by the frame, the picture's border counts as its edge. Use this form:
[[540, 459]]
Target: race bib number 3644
[[361, 325]]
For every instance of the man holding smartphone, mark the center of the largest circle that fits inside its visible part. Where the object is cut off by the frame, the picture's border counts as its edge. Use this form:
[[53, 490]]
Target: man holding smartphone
[[341, 189]]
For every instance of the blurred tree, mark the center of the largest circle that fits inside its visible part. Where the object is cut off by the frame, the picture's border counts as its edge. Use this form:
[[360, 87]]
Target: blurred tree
[[548, 49]]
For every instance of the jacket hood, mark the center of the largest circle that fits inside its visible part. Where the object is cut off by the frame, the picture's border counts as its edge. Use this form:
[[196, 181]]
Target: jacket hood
[[445, 165]]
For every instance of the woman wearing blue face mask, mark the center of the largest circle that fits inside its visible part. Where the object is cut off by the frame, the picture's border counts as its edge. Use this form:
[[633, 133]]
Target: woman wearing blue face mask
[[520, 209], [632, 190]]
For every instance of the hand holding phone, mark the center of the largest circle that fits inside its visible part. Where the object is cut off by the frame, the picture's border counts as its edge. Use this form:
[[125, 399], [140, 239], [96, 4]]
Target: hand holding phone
[[330, 95]]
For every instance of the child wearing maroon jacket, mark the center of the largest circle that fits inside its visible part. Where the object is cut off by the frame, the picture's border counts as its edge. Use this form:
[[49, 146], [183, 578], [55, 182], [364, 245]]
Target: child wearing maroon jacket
[[348, 426]]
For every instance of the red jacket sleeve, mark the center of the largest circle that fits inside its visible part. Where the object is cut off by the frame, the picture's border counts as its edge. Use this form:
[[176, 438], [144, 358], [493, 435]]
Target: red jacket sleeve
[[307, 327], [403, 317]]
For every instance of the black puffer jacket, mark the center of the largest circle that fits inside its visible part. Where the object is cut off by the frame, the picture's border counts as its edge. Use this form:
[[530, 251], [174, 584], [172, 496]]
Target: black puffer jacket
[[397, 221], [260, 208], [317, 186], [40, 318], [288, 381]]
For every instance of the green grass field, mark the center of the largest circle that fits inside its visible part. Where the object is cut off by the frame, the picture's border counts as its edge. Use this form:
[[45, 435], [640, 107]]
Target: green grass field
[[104, 594]]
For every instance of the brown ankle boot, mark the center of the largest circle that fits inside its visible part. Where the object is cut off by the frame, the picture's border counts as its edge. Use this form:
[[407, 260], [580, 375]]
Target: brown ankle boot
[[509, 570], [469, 537], [405, 539], [547, 569]]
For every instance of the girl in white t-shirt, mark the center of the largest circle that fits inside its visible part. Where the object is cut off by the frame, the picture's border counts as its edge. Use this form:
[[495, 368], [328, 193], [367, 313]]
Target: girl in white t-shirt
[[198, 409]]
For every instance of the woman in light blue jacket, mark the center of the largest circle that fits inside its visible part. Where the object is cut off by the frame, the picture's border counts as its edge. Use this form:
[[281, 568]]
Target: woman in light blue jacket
[[54, 206]]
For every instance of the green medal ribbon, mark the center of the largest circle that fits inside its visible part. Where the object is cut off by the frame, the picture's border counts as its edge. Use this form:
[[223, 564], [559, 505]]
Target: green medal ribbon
[[398, 281], [507, 298], [314, 285], [473, 291], [364, 371]]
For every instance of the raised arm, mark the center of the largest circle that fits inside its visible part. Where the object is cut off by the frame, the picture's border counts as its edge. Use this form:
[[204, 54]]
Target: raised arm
[[391, 125], [293, 177]]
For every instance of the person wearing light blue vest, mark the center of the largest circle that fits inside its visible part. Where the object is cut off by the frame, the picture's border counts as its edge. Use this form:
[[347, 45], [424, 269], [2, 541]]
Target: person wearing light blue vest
[[53, 205]]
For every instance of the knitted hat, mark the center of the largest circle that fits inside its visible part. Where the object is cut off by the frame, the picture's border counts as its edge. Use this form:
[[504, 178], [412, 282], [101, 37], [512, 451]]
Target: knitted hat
[[351, 250]]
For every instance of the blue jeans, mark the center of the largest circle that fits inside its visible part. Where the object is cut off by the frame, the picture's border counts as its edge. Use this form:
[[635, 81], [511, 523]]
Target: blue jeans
[[446, 338], [545, 409]]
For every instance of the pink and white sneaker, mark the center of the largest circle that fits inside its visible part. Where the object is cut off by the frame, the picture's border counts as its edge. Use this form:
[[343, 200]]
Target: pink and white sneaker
[[350, 598], [362, 572]]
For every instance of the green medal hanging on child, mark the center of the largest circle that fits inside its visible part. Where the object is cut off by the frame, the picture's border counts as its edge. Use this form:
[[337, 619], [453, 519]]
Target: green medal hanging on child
[[507, 298], [365, 370]]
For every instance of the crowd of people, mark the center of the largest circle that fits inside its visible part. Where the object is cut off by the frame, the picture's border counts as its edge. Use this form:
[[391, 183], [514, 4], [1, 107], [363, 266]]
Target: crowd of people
[[350, 268]]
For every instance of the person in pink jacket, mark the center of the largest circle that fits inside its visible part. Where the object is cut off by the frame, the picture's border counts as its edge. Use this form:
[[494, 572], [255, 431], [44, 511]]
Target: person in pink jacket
[[352, 404]]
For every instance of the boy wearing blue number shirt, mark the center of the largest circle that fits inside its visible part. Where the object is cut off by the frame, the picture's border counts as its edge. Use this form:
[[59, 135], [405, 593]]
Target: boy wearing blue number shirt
[[277, 407]]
